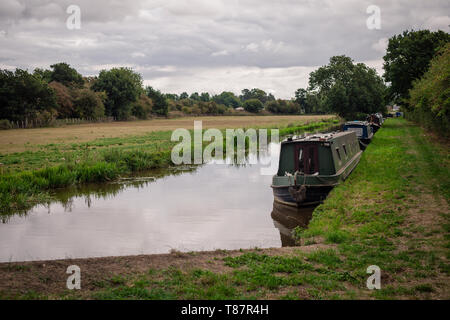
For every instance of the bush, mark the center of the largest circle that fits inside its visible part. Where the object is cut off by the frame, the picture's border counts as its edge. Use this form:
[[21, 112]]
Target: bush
[[142, 108], [46, 118], [5, 124], [283, 106], [253, 105], [186, 110], [430, 96], [272, 106], [160, 104], [88, 104], [64, 100]]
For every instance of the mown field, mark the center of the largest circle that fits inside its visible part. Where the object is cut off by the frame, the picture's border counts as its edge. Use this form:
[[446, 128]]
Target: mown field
[[392, 212], [27, 177], [19, 140]]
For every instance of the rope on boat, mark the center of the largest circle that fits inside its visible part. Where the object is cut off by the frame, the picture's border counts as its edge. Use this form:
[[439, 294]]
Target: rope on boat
[[298, 193]]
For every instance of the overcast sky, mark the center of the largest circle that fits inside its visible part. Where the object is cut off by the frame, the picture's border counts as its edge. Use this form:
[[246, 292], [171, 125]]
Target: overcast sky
[[208, 45]]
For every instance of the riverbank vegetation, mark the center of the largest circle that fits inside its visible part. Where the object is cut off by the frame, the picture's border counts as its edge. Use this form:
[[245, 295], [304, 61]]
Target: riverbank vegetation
[[417, 65], [28, 176], [430, 95], [392, 212]]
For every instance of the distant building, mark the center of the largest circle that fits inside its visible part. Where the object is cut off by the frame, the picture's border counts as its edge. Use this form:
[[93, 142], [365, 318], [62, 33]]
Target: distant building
[[239, 109]]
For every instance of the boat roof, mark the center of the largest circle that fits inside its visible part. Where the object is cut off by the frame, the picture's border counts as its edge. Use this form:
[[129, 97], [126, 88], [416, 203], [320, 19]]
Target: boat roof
[[318, 137], [357, 122]]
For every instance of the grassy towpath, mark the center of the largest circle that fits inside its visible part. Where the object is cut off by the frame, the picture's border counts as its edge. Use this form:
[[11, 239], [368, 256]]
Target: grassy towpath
[[392, 212]]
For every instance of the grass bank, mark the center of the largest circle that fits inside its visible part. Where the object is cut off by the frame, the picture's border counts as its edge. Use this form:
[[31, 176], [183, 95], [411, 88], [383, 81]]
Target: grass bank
[[27, 177], [392, 212]]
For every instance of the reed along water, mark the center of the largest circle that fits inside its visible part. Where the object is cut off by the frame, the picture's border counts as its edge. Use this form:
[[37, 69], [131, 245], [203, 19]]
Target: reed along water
[[206, 207]]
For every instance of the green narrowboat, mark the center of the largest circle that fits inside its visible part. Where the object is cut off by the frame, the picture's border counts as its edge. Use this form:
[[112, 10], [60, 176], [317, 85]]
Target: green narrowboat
[[311, 166]]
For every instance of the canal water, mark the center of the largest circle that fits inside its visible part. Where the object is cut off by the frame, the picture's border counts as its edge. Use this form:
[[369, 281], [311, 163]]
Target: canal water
[[207, 207]]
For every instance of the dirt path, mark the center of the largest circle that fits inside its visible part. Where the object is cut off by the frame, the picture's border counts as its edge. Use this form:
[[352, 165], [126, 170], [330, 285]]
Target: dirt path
[[20, 279]]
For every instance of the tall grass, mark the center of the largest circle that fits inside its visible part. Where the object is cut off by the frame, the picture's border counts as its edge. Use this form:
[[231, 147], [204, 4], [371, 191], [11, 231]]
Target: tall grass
[[19, 191]]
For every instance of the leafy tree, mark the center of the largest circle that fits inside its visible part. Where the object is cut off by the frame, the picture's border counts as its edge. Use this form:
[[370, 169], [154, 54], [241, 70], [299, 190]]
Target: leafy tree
[[430, 96], [24, 95], [89, 104], [195, 96], [184, 95], [273, 106], [348, 89], [160, 105], [407, 58], [43, 74], [122, 86], [171, 96], [63, 73], [256, 93], [228, 99], [316, 103], [204, 96], [64, 100], [283, 107], [301, 98], [253, 105]]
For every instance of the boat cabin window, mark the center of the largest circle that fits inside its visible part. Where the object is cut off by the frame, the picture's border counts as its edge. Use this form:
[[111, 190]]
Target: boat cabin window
[[301, 166], [345, 149], [338, 153], [306, 159]]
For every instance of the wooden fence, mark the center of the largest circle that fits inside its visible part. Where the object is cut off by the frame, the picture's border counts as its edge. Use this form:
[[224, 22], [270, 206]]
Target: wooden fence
[[36, 123]]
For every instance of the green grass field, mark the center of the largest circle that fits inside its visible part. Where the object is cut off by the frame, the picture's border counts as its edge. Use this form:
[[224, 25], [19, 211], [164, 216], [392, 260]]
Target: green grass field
[[392, 212]]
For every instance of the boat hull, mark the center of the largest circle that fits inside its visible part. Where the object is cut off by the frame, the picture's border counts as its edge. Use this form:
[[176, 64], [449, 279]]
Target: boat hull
[[375, 127], [363, 143], [316, 187], [314, 195]]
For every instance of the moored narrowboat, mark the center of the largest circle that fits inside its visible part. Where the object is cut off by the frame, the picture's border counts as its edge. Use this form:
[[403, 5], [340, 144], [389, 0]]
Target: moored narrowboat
[[375, 120], [310, 167], [363, 131]]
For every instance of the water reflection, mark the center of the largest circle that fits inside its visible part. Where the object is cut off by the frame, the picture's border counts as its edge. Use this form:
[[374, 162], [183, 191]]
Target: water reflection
[[219, 205], [287, 218], [208, 207]]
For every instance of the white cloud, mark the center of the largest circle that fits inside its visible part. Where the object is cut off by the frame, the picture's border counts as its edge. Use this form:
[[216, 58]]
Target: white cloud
[[282, 82], [220, 53], [210, 45], [252, 47], [138, 54], [438, 23], [381, 45]]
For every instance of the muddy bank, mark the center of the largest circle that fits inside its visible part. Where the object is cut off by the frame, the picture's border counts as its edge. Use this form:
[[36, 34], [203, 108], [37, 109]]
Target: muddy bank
[[47, 279]]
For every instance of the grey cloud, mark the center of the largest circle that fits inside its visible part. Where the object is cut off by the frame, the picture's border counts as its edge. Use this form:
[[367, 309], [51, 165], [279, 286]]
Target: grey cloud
[[157, 37]]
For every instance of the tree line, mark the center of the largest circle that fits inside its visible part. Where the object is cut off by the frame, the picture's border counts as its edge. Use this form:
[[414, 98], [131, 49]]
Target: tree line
[[417, 67], [416, 78], [62, 92]]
